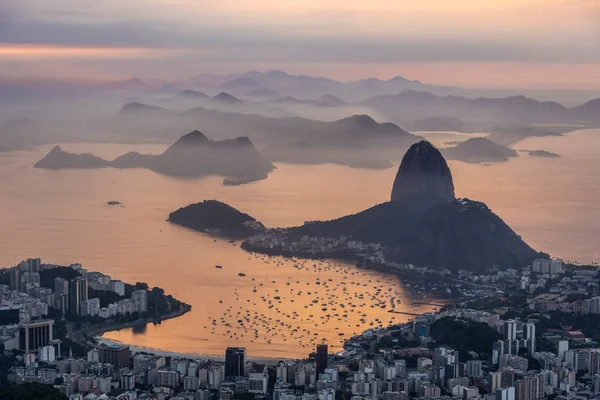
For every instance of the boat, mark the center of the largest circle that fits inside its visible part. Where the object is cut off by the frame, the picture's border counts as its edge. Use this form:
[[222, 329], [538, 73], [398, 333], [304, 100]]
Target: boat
[[242, 274], [218, 266]]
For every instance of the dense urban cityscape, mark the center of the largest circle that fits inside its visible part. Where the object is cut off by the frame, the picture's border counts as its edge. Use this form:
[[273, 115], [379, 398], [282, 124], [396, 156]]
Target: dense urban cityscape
[[535, 337]]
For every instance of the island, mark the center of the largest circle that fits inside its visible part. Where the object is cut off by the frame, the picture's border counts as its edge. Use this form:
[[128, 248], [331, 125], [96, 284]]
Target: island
[[193, 155], [422, 225], [212, 216], [542, 153], [479, 150]]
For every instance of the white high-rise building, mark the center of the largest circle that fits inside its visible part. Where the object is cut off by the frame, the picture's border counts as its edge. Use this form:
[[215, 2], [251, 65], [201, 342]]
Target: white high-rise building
[[140, 300], [510, 329], [505, 393], [529, 330], [118, 287], [563, 347], [94, 307]]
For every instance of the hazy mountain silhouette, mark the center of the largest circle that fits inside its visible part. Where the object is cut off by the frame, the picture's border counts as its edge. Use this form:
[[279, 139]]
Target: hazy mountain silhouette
[[57, 158], [442, 123], [410, 105], [226, 99], [479, 150], [263, 93], [358, 140], [192, 155]]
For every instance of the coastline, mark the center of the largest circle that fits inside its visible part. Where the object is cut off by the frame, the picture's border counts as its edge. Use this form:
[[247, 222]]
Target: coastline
[[95, 332]]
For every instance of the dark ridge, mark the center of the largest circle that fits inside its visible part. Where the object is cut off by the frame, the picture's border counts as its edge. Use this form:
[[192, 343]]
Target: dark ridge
[[213, 215]]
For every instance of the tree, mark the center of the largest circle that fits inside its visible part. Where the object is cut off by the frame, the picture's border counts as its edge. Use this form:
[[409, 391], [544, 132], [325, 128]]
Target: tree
[[29, 391], [464, 336]]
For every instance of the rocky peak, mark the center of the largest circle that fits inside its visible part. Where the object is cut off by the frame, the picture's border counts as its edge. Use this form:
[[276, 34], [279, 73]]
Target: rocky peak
[[424, 172], [192, 138]]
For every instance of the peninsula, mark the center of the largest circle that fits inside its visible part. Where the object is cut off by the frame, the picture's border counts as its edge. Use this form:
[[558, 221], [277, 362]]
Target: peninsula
[[82, 304], [423, 225]]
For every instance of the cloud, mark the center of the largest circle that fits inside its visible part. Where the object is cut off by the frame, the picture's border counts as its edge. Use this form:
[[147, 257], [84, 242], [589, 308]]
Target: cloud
[[323, 31]]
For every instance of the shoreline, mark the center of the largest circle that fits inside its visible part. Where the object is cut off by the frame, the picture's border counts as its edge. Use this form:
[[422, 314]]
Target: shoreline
[[82, 336]]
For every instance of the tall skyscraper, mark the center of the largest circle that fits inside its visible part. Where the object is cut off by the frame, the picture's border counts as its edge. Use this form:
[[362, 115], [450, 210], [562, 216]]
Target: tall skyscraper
[[321, 358], [15, 278], [78, 292], [510, 329], [235, 357], [36, 334], [529, 330]]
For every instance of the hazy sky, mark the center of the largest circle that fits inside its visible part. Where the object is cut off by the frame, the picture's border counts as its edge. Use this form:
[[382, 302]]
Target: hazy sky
[[483, 43]]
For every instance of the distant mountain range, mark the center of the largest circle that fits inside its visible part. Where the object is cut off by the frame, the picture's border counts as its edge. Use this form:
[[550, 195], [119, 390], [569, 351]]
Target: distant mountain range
[[517, 110], [303, 86], [192, 155], [358, 140]]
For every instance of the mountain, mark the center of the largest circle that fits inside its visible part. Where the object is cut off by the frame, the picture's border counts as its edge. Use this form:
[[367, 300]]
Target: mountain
[[213, 215], [329, 100], [433, 124], [192, 155], [410, 105], [226, 99], [241, 84], [424, 225], [313, 87], [263, 93], [463, 234], [136, 110], [192, 95], [357, 140], [57, 158], [423, 173], [589, 110], [478, 150]]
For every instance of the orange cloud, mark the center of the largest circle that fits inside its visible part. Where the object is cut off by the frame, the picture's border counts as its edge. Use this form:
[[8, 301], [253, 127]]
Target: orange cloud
[[47, 51]]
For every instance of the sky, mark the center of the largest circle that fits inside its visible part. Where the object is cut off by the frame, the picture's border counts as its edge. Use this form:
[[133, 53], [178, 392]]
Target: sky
[[469, 43]]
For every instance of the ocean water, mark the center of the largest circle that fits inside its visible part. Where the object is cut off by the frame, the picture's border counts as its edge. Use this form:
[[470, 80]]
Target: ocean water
[[62, 216]]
